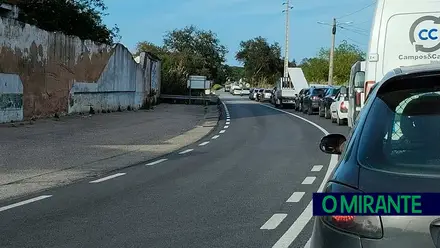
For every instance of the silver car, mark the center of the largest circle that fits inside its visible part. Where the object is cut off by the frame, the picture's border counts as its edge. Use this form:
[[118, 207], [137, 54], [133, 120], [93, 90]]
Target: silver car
[[394, 147]]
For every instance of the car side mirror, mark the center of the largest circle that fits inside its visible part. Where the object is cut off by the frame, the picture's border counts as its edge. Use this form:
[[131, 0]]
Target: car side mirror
[[332, 143]]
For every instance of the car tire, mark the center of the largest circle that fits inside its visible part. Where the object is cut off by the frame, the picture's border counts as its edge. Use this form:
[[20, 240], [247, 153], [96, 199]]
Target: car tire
[[327, 113], [321, 113], [339, 121], [333, 119]]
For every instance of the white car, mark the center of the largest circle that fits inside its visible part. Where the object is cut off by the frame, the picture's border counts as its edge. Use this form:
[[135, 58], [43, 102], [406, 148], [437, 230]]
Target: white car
[[245, 92], [339, 109], [236, 92]]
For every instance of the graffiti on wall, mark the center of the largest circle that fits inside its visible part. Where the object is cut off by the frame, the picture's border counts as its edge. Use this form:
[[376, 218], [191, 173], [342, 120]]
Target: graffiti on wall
[[154, 76], [11, 101]]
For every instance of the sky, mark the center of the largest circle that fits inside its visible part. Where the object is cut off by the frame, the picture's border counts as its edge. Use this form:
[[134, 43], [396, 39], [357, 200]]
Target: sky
[[237, 20]]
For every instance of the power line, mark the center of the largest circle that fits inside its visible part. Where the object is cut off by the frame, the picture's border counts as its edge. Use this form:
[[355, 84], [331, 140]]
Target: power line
[[354, 31], [357, 11]]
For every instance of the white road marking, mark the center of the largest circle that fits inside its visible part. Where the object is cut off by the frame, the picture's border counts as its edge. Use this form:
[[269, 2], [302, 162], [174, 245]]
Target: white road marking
[[107, 178], [157, 161], [215, 136], [18, 204], [204, 143], [294, 230], [296, 197], [222, 131], [308, 180], [186, 151], [226, 127], [308, 243], [228, 123], [317, 168], [273, 222], [228, 119]]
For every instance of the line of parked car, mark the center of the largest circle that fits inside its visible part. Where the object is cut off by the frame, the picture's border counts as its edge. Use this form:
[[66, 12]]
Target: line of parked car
[[329, 102]]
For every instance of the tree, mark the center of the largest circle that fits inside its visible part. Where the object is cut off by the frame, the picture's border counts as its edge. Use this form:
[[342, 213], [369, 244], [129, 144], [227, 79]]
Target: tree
[[316, 69], [188, 51], [261, 60], [82, 18]]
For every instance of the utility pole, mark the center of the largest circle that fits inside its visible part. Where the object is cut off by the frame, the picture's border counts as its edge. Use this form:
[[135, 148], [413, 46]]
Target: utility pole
[[332, 53], [286, 50]]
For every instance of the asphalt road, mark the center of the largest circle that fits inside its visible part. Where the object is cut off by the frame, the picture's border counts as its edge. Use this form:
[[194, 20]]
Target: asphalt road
[[245, 185]]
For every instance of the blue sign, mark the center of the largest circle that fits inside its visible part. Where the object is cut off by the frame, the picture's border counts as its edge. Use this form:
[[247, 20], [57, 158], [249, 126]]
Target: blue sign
[[426, 34]]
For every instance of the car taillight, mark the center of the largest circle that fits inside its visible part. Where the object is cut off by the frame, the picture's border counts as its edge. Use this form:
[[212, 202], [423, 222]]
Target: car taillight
[[367, 87], [315, 98], [362, 226], [358, 98], [343, 107]]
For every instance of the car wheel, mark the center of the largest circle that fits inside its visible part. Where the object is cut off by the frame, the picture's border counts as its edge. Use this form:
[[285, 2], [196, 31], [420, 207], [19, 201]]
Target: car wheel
[[339, 121], [321, 113], [333, 119], [327, 113]]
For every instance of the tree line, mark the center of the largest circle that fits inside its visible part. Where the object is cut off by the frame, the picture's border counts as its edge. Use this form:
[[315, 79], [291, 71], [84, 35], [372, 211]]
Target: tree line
[[190, 50]]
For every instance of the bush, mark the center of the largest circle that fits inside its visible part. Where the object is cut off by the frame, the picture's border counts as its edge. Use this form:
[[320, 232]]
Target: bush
[[216, 87]]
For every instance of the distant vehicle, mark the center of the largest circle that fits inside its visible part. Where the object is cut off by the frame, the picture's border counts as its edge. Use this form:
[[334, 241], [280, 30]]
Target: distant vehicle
[[310, 102], [285, 94], [227, 88], [327, 100], [339, 108], [245, 92], [393, 148], [299, 99], [252, 94], [266, 95], [259, 94]]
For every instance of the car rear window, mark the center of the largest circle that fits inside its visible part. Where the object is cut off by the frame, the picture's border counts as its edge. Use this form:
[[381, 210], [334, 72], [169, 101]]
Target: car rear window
[[402, 130], [267, 91], [261, 90], [318, 91]]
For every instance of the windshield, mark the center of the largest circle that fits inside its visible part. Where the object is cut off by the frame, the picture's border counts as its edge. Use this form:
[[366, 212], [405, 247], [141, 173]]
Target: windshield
[[267, 91], [405, 140]]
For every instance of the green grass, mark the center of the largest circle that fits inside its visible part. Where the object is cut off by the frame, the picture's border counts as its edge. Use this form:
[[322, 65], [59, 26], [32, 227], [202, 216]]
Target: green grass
[[216, 87]]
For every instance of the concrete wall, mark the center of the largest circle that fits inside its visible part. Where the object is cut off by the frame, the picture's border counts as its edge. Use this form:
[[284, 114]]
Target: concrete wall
[[62, 74]]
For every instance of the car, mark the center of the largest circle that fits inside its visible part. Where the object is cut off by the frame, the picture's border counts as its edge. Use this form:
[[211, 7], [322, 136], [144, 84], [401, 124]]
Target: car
[[299, 99], [251, 94], [236, 91], [259, 94], [310, 102], [245, 92], [266, 95], [392, 148], [254, 94], [326, 101], [339, 109]]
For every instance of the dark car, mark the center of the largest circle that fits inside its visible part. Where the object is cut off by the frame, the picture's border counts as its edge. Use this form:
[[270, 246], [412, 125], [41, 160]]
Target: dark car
[[393, 148], [299, 99], [326, 101], [310, 103]]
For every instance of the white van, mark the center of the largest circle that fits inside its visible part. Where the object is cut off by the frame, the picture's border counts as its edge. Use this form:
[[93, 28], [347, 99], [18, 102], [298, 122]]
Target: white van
[[403, 33], [356, 92]]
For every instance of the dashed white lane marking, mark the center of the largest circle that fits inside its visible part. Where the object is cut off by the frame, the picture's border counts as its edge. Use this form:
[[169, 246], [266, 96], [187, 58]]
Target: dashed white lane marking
[[295, 229], [222, 131], [204, 143], [308, 180], [186, 151], [228, 119], [157, 161], [215, 136], [317, 168], [296, 197], [18, 204], [226, 127], [107, 178], [228, 123], [273, 222]]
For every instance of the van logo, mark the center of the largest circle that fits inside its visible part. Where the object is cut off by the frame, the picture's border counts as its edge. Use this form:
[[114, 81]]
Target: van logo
[[425, 34]]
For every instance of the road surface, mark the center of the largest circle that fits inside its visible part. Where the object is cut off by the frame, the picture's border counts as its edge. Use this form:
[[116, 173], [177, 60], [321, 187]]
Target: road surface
[[247, 184]]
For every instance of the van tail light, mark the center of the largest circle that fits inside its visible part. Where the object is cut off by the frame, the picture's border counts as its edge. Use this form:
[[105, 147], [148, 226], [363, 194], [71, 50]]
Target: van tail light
[[367, 87], [362, 226], [358, 98], [343, 108]]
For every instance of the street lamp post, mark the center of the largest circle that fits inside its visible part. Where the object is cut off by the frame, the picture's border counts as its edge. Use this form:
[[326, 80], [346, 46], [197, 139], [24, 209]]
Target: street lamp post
[[286, 50]]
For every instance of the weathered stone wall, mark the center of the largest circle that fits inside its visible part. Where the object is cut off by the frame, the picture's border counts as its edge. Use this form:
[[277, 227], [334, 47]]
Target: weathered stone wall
[[62, 74]]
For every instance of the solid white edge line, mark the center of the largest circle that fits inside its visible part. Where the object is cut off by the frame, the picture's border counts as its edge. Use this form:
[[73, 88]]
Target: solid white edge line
[[317, 168], [186, 151], [157, 161], [107, 178], [18, 204], [308, 243], [273, 221], [295, 229], [215, 137], [309, 180], [296, 197], [222, 131], [204, 143]]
